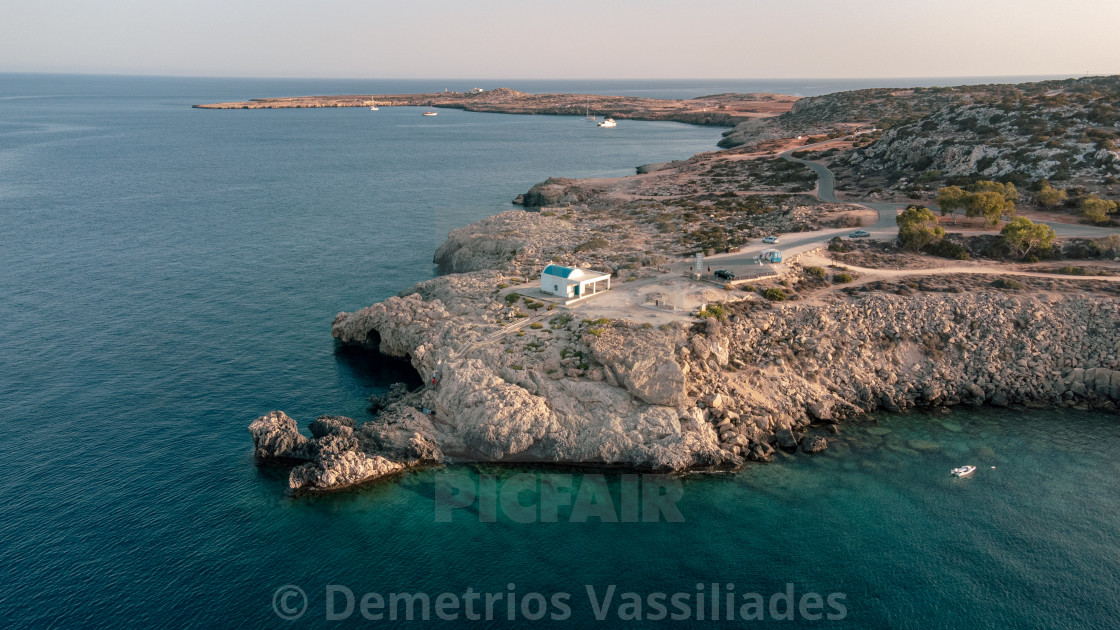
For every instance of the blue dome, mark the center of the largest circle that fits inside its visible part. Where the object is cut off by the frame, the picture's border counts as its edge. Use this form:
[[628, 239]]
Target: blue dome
[[557, 270]]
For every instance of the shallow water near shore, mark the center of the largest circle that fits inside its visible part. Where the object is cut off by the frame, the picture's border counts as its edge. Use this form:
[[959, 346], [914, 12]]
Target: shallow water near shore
[[169, 274]]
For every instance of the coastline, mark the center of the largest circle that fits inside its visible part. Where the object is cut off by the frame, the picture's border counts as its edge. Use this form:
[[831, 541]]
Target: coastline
[[725, 110], [561, 385]]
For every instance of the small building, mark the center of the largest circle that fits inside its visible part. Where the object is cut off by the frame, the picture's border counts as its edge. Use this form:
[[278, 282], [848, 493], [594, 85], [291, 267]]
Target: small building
[[573, 283]]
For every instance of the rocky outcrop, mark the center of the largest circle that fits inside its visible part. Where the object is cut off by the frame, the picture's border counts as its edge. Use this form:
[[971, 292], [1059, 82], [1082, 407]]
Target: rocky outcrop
[[644, 362], [276, 436], [343, 470], [338, 455], [556, 191], [717, 393]]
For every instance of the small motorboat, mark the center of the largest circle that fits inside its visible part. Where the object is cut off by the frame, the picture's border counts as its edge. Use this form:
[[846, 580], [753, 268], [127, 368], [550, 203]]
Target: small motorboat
[[963, 471], [373, 108], [608, 123], [431, 113]]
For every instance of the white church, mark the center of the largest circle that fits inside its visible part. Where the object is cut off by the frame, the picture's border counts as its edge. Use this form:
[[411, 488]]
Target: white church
[[573, 283]]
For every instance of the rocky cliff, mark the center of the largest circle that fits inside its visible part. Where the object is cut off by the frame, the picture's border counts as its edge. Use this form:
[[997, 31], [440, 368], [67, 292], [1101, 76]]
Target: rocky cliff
[[712, 394]]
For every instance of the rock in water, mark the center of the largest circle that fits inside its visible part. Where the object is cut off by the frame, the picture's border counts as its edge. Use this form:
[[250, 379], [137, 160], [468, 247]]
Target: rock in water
[[786, 438], [813, 443], [276, 436], [340, 470]]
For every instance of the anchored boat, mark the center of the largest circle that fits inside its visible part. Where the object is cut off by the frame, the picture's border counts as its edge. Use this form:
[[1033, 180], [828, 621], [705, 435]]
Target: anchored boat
[[963, 471]]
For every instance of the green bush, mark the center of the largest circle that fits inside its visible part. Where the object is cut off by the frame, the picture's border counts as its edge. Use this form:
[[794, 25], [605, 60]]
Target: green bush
[[774, 294], [1007, 283], [718, 311], [841, 278], [536, 325], [596, 243], [816, 272], [948, 249], [512, 298], [837, 244]]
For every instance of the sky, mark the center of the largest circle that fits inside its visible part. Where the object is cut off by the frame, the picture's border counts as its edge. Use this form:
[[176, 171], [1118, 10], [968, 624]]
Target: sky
[[574, 39]]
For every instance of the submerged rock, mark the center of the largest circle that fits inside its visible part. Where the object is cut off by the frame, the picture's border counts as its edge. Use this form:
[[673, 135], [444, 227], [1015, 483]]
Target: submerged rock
[[813, 443]]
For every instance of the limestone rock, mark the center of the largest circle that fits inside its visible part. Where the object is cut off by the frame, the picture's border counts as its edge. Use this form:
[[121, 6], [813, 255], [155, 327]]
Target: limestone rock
[[340, 471], [276, 436], [813, 443]]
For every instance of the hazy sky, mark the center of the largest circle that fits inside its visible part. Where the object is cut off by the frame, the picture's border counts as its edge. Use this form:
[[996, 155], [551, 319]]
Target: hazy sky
[[571, 39]]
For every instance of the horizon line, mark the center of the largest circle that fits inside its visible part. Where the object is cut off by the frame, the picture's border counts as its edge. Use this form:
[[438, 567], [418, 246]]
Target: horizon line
[[1050, 76]]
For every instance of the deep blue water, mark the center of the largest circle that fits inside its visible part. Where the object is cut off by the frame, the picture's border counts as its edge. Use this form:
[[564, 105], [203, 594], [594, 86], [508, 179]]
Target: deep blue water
[[168, 274]]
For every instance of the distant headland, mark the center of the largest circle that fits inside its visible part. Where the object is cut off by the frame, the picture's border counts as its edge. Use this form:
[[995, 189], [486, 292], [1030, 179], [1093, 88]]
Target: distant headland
[[718, 110]]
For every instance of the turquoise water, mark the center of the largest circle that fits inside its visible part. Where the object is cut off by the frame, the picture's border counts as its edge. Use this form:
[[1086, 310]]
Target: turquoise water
[[169, 274]]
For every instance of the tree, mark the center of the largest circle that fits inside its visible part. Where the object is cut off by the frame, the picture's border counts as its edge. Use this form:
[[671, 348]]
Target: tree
[[1008, 190], [1095, 209], [1049, 196], [951, 200], [918, 228], [990, 205], [1022, 235]]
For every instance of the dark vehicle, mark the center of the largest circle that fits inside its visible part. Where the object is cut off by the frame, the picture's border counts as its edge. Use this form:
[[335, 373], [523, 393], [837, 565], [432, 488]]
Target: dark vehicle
[[724, 274], [859, 234]]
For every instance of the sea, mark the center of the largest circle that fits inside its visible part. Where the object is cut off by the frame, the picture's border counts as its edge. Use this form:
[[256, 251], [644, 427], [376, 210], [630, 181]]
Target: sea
[[168, 274]]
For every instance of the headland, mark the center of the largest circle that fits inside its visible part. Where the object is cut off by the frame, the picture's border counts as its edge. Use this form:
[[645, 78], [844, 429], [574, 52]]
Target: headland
[[875, 303]]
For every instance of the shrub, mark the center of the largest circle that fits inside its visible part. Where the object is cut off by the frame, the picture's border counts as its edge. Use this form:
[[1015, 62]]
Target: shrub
[[774, 294], [1007, 283], [596, 243], [837, 244], [536, 325], [816, 272], [718, 311], [533, 305], [948, 249], [841, 278], [512, 298]]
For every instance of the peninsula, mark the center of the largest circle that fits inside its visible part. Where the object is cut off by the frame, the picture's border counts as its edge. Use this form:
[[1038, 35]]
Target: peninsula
[[719, 110], [935, 248]]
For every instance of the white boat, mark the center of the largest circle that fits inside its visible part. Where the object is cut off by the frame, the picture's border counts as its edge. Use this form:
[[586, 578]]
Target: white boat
[[963, 471], [431, 113], [608, 123], [373, 108]]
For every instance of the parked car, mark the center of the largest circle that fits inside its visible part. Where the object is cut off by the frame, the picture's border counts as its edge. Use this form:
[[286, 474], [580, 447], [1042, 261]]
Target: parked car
[[724, 274], [859, 234], [770, 239]]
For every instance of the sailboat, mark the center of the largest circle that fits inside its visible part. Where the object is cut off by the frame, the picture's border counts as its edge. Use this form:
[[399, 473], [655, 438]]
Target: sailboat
[[373, 108], [431, 112], [587, 112]]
